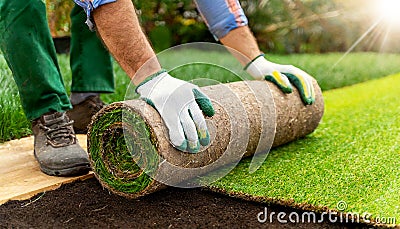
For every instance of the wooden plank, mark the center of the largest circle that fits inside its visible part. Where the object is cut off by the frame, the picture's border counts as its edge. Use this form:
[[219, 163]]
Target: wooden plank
[[21, 177]]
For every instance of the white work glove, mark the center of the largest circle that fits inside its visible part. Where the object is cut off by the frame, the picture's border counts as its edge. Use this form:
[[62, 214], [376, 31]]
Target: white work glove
[[283, 76], [180, 105]]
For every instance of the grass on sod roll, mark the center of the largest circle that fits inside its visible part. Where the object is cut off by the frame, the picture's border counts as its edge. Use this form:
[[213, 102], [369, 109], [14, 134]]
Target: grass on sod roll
[[354, 68], [112, 158], [353, 156]]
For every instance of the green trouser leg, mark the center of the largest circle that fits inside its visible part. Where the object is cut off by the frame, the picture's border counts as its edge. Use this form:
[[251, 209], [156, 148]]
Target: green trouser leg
[[28, 48], [91, 64]]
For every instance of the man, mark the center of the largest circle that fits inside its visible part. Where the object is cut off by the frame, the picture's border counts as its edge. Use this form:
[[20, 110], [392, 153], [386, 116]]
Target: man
[[173, 98], [180, 104]]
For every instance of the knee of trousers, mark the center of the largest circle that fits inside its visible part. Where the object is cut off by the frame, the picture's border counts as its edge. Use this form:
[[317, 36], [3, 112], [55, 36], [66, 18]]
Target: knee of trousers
[[20, 11]]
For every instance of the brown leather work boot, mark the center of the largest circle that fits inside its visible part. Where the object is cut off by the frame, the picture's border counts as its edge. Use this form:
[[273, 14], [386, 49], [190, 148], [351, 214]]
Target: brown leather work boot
[[82, 113], [56, 147]]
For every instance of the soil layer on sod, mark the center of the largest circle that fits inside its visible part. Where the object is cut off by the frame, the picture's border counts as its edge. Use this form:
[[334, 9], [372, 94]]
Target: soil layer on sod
[[350, 164], [85, 204]]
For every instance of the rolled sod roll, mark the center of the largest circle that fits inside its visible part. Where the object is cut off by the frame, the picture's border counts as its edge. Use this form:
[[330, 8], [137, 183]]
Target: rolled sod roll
[[131, 155]]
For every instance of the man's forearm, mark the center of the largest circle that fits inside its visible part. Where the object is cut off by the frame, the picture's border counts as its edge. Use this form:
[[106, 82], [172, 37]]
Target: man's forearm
[[118, 26], [243, 42]]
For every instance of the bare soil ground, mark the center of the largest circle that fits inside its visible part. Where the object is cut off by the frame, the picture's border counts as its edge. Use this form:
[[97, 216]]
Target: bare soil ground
[[86, 204]]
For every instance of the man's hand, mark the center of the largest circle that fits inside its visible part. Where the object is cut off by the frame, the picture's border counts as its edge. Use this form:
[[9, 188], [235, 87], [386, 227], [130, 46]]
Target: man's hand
[[283, 76], [180, 105]]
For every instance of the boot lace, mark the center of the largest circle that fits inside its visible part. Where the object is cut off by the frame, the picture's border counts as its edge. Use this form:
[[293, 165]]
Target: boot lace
[[59, 132]]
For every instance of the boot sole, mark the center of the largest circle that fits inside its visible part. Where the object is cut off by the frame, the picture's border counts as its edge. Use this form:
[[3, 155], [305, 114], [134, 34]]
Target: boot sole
[[80, 169], [79, 131], [74, 171]]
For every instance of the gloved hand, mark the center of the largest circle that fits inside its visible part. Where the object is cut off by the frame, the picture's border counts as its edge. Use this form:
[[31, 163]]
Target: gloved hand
[[283, 76], [180, 105]]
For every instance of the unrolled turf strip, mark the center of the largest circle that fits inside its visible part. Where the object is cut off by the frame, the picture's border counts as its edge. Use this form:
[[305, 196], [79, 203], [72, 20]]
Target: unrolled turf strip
[[350, 163], [244, 123]]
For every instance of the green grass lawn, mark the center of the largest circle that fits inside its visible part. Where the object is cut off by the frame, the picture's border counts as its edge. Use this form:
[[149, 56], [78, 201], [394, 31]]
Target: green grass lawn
[[353, 156], [354, 68]]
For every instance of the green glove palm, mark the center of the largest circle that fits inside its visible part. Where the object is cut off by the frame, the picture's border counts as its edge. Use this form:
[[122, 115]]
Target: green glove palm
[[283, 76], [180, 105]]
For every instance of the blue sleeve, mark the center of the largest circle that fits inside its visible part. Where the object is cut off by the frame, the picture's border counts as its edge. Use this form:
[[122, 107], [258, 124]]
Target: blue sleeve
[[221, 16], [88, 6]]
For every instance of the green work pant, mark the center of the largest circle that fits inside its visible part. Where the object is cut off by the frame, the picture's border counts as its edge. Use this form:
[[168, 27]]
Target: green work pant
[[28, 48], [90, 62]]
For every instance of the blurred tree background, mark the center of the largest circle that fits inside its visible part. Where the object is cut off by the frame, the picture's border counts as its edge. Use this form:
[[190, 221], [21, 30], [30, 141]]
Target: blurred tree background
[[280, 26]]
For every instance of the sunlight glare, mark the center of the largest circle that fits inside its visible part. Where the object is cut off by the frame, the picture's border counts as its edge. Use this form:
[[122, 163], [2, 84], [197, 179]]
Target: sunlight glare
[[389, 10]]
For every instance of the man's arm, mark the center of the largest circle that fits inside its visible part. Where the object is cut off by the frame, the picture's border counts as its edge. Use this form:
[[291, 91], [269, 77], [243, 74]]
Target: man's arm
[[246, 50], [180, 104], [119, 28], [228, 23]]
